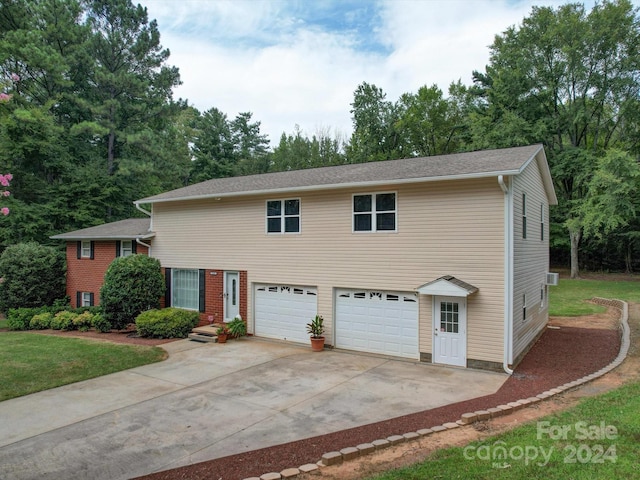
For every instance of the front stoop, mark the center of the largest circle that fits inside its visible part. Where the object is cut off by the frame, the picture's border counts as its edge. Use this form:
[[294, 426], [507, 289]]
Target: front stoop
[[204, 334]]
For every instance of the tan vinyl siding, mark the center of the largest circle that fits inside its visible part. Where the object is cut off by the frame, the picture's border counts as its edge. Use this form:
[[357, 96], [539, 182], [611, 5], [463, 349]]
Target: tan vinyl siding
[[531, 259], [449, 227]]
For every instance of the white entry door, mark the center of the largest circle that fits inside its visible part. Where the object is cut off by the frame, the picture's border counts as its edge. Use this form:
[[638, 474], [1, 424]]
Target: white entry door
[[450, 331], [231, 295]]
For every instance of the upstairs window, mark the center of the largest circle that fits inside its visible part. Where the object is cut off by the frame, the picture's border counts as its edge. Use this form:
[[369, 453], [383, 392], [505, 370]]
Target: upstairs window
[[85, 249], [524, 215], [542, 221], [374, 212], [283, 216]]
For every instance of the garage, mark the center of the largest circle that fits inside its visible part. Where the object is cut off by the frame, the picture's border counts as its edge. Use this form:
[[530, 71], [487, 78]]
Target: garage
[[283, 311], [377, 322]]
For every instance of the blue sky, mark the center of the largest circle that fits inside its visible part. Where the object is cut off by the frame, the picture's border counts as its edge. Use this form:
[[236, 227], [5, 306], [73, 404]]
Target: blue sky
[[298, 62]]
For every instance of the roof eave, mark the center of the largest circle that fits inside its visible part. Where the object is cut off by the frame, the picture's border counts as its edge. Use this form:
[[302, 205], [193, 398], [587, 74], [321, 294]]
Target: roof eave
[[104, 237], [332, 186]]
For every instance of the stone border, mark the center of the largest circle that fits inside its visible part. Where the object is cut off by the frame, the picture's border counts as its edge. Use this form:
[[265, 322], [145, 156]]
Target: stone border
[[348, 453]]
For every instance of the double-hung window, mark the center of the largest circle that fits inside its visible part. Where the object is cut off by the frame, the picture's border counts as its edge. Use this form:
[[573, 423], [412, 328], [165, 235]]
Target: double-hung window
[[126, 248], [524, 215], [283, 216], [86, 249], [376, 212], [185, 288]]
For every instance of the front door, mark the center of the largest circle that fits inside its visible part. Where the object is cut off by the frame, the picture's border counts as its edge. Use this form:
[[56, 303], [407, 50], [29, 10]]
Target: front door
[[450, 331], [231, 295]]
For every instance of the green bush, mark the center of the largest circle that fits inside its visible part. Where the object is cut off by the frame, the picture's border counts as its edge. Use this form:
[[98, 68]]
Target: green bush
[[166, 323], [42, 321], [83, 321], [101, 324], [20, 318], [237, 327], [132, 285], [63, 320], [33, 276]]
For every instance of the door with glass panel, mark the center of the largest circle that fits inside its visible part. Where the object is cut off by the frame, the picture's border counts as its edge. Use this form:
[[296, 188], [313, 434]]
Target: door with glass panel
[[231, 295], [450, 331]]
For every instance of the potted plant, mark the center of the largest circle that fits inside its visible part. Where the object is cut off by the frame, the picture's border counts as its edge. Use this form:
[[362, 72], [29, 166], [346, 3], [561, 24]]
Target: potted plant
[[236, 327], [221, 332], [316, 328]]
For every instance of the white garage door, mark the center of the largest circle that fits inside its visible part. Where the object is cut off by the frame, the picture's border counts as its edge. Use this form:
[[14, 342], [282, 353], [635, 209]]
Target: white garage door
[[283, 311], [377, 322]]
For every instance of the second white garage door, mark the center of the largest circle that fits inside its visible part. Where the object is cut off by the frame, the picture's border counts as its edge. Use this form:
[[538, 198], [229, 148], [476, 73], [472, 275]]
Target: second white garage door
[[283, 311], [377, 322]]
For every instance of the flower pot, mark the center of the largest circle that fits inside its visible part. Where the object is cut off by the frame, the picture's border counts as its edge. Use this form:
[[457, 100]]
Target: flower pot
[[222, 338], [317, 344]]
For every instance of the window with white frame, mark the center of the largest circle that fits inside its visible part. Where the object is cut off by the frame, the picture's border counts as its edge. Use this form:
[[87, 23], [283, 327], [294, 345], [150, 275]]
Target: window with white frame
[[283, 216], [126, 248], [85, 249], [86, 299], [524, 307], [375, 212], [542, 221], [185, 289], [524, 215]]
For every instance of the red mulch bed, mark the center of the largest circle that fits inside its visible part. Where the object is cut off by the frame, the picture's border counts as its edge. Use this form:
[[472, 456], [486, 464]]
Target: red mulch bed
[[559, 357], [123, 336]]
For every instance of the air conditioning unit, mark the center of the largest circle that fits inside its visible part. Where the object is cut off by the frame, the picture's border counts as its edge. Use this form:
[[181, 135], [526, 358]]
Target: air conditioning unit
[[552, 278]]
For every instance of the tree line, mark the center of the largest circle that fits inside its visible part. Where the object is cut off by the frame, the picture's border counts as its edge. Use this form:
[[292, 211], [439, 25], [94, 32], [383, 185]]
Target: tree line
[[88, 121]]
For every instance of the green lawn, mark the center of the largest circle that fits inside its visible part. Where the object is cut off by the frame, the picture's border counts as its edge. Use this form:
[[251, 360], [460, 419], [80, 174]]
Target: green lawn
[[569, 298], [4, 323], [30, 362], [598, 439], [602, 455]]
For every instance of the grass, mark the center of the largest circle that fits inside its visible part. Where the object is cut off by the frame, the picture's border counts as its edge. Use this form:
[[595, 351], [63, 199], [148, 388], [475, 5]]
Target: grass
[[569, 457], [32, 362], [602, 454], [569, 298], [4, 323]]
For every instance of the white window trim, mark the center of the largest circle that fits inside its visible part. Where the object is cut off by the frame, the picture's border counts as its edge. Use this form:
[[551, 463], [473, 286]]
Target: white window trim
[[85, 249], [126, 252], [524, 216], [373, 213], [542, 222], [282, 216], [85, 299], [173, 288]]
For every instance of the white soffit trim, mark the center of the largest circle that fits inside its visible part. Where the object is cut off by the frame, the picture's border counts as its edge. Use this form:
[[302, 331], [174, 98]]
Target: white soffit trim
[[447, 286]]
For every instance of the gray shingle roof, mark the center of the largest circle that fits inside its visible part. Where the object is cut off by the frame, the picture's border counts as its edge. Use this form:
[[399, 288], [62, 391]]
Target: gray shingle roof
[[507, 161], [128, 229]]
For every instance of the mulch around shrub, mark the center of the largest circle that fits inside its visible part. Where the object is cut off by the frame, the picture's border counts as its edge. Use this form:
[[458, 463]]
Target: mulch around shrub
[[558, 357]]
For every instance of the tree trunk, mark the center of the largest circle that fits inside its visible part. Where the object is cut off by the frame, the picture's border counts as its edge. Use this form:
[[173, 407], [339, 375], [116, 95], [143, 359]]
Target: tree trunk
[[574, 236], [111, 153]]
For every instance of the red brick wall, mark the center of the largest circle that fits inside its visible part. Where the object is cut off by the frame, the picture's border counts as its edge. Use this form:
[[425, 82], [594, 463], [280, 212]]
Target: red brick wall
[[86, 275], [214, 299]]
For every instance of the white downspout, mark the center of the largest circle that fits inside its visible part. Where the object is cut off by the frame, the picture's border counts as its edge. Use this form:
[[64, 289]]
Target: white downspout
[[140, 242], [148, 213], [508, 274]]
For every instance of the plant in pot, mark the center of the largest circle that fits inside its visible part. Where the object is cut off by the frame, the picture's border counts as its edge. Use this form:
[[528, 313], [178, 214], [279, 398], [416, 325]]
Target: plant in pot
[[222, 333], [316, 328], [236, 327]]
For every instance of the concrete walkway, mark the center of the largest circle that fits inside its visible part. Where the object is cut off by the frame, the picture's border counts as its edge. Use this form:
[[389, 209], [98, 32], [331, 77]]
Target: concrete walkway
[[208, 401]]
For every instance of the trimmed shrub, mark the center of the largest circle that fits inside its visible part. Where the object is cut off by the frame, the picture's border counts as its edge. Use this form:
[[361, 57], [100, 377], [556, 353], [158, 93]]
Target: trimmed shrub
[[63, 320], [42, 321], [132, 285], [32, 275], [101, 324], [83, 321], [166, 323], [20, 318]]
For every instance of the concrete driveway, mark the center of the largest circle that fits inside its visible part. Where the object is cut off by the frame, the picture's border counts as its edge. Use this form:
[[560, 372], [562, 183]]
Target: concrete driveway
[[207, 401]]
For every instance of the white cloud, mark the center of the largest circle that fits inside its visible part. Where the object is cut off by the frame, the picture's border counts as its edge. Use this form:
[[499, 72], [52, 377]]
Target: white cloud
[[271, 58]]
